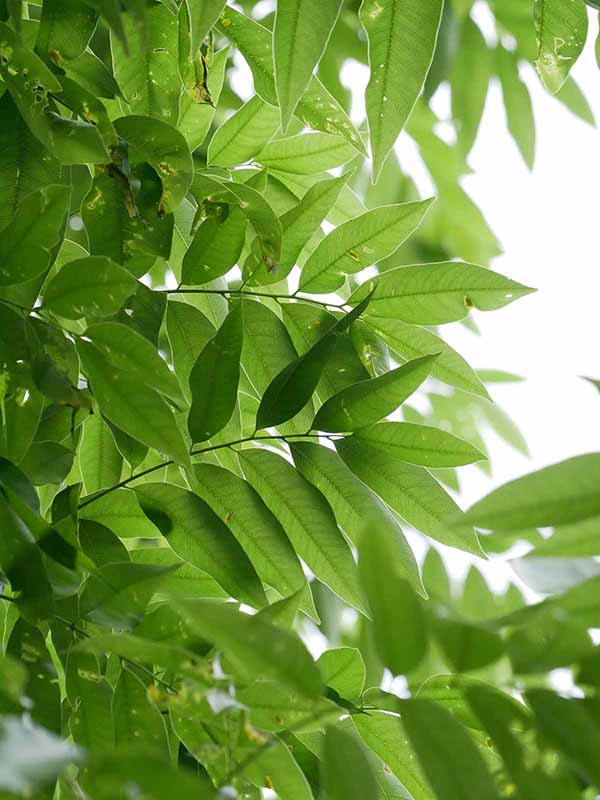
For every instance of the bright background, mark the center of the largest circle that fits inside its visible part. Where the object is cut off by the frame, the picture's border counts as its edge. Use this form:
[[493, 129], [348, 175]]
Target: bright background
[[548, 224]]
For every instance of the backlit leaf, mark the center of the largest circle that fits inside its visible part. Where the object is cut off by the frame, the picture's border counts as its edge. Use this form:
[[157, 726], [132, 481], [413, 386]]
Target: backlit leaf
[[402, 39], [363, 404], [301, 32], [359, 243]]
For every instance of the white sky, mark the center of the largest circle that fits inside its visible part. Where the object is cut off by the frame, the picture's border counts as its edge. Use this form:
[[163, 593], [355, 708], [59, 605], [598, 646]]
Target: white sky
[[548, 224]]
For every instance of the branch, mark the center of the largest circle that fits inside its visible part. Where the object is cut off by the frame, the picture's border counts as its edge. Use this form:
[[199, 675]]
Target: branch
[[242, 293], [144, 472]]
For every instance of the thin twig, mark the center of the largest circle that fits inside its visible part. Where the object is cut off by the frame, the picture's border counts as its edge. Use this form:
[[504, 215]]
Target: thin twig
[[241, 293], [144, 472]]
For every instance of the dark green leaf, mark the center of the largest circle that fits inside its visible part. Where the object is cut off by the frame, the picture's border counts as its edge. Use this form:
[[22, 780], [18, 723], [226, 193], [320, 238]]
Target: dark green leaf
[[256, 645], [292, 388], [449, 758], [347, 769], [214, 379], [398, 618], [199, 537]]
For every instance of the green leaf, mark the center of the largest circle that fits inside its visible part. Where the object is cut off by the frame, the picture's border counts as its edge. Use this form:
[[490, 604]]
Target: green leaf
[[517, 104], [432, 294], [253, 525], [275, 707], [66, 27], [317, 107], [307, 324], [100, 461], [146, 67], [581, 539], [116, 595], [267, 350], [302, 221], [135, 717], [25, 165], [120, 512], [100, 543], [411, 341], [189, 331], [156, 777], [562, 493], [571, 725], [93, 286], [185, 581], [402, 40], [561, 30], [385, 735], [90, 696], [30, 241], [292, 388], [410, 491], [197, 114], [127, 350], [420, 444], [347, 769], [348, 497], [301, 31], [573, 98], [469, 81], [454, 693], [467, 647], [276, 766], [124, 225], [306, 153], [143, 414], [262, 218], [449, 758], [215, 248], [257, 646], [199, 537], [71, 141], [362, 404], [203, 15], [343, 670], [393, 602], [358, 243], [26, 643], [166, 150], [307, 520], [214, 379], [22, 563], [93, 75], [243, 134]]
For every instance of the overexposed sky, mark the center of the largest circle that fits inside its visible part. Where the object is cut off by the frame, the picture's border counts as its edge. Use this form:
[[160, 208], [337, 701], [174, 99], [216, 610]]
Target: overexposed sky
[[548, 224]]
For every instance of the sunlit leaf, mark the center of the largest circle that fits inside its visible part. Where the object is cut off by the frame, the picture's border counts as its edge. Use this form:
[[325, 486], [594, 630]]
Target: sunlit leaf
[[301, 31], [358, 243], [401, 44]]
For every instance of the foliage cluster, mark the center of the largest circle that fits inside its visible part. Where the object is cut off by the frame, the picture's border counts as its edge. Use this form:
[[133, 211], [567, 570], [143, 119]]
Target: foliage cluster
[[215, 318]]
